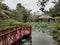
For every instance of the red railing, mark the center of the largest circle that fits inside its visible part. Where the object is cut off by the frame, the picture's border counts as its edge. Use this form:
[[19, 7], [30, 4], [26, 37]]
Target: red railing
[[11, 35]]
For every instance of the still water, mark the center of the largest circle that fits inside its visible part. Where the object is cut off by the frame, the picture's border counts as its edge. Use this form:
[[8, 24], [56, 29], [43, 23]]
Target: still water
[[40, 35], [39, 38]]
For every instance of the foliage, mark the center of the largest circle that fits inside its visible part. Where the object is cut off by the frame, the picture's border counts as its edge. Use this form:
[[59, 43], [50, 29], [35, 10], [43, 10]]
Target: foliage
[[20, 13], [56, 26], [56, 10], [56, 35], [41, 26], [8, 23], [4, 6], [55, 32], [10, 17], [24, 12]]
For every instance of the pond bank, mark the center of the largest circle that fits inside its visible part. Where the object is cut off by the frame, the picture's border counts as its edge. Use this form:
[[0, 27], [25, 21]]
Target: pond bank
[[39, 38], [40, 34]]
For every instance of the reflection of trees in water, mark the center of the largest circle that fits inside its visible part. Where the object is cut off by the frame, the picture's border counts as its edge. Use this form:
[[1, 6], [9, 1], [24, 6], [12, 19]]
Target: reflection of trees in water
[[30, 40], [26, 41]]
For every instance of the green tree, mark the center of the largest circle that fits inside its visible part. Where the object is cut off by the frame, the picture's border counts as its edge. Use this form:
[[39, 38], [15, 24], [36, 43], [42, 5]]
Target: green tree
[[4, 6], [24, 12], [56, 10]]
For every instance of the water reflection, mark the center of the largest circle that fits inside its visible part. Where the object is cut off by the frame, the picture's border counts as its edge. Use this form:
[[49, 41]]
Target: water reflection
[[27, 41], [37, 38], [24, 41]]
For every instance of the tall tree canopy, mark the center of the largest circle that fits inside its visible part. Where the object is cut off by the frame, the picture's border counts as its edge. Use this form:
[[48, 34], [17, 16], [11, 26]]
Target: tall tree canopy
[[24, 12], [56, 10], [3, 6]]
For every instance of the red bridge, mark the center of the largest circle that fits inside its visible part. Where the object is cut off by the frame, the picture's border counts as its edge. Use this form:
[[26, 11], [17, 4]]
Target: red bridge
[[11, 35]]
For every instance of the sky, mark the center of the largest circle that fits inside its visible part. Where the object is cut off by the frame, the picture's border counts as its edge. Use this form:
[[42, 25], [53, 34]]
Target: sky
[[28, 4]]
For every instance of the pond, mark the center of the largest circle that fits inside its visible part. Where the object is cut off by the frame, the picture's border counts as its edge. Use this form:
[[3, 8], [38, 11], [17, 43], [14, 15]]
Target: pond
[[40, 35], [39, 38]]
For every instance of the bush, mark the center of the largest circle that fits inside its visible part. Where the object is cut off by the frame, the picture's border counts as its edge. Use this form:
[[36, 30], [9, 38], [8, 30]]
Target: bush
[[8, 23], [56, 26], [55, 31]]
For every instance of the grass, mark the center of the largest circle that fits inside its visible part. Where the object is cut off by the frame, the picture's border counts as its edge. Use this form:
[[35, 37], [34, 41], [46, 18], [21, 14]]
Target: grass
[[8, 23]]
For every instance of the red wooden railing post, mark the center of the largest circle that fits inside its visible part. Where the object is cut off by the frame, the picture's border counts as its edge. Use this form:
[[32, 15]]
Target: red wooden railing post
[[11, 35]]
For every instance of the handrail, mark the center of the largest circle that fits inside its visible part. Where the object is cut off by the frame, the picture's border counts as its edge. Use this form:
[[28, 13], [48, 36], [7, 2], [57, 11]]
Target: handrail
[[10, 30]]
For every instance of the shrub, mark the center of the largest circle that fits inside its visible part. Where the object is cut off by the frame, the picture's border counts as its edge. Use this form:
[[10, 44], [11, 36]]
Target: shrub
[[55, 31], [56, 26]]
